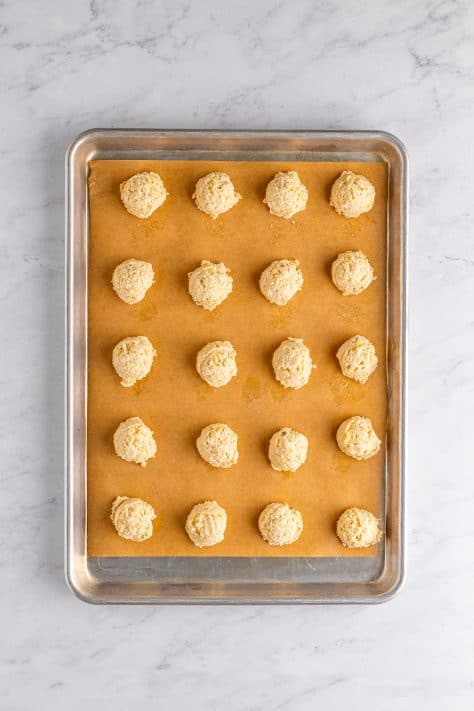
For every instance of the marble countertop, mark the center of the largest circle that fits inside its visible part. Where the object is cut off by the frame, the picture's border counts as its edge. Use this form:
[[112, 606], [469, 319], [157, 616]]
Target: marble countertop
[[405, 67]]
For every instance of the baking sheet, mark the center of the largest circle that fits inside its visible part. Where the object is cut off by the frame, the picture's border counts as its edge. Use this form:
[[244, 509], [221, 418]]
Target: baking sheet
[[177, 404]]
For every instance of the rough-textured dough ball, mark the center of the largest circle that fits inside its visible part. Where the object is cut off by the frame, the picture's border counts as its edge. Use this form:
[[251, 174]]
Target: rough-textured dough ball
[[352, 273], [281, 280], [288, 450], [357, 438], [352, 194], [142, 194], [132, 518], [286, 195], [216, 364], [357, 358], [217, 445], [134, 441], [214, 194], [210, 284], [358, 528], [292, 363], [132, 279], [206, 524], [280, 525], [132, 359]]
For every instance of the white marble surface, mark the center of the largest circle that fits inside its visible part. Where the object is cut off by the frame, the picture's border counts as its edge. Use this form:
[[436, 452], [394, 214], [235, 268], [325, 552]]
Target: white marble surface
[[406, 67]]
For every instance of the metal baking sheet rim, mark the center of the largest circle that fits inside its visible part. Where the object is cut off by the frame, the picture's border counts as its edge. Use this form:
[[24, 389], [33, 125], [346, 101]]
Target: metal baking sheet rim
[[325, 580]]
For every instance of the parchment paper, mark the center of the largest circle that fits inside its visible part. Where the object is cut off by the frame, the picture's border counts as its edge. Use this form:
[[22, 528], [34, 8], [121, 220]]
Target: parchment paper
[[176, 403]]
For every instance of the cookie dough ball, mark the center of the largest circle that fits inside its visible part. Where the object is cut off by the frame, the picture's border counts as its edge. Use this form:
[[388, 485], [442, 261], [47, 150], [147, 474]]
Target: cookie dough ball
[[288, 450], [357, 358], [132, 359], [358, 528], [280, 525], [356, 437], [132, 279], [352, 273], [281, 280], [352, 194], [217, 445], [214, 194], [216, 364], [142, 194], [286, 195], [292, 363], [206, 524], [210, 284], [132, 518], [134, 441]]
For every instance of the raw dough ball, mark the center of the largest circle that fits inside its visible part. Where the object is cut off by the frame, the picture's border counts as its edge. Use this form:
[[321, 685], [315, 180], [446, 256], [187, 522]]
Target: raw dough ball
[[132, 279], [286, 195], [216, 364], [352, 194], [357, 358], [134, 441], [206, 524], [217, 445], [214, 194], [292, 363], [210, 284], [281, 280], [356, 437], [352, 273], [280, 525], [132, 359], [288, 450], [358, 528], [142, 194], [133, 518]]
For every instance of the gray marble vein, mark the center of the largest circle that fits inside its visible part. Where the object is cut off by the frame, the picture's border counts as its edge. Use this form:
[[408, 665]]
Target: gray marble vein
[[405, 67]]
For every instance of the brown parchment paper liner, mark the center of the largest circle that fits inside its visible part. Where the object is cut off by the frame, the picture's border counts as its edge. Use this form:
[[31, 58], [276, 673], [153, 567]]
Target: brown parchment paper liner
[[176, 403]]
